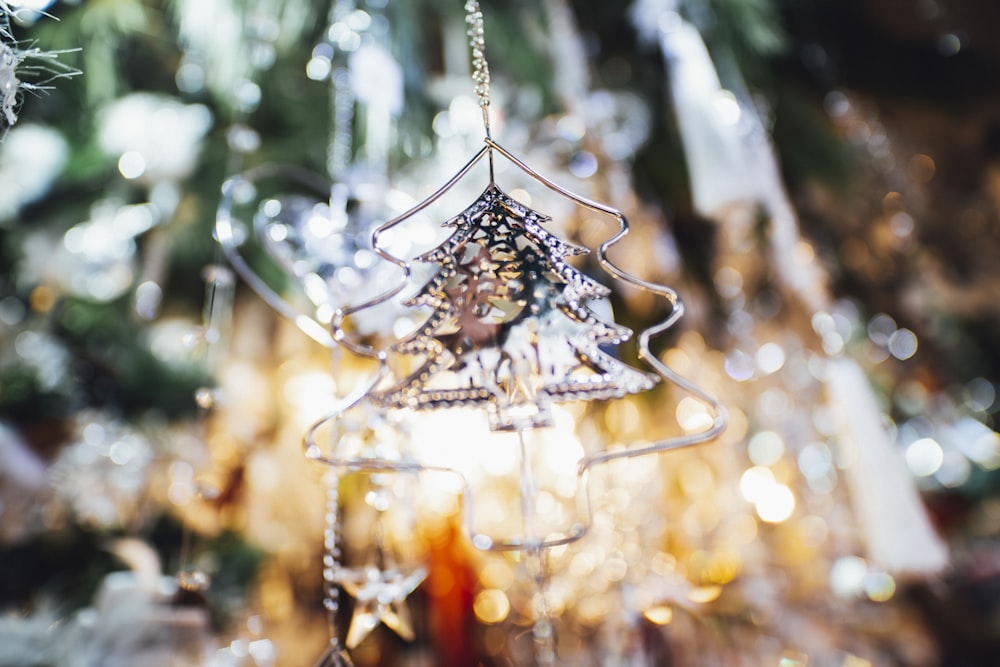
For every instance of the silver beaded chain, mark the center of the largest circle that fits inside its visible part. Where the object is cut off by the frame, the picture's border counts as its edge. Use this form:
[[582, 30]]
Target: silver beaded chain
[[331, 557], [480, 68], [477, 42]]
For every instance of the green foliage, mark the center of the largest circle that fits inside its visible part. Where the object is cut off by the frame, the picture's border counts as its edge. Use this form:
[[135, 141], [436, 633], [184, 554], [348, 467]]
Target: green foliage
[[231, 562], [115, 368], [24, 400], [809, 149], [750, 32], [67, 565], [103, 27]]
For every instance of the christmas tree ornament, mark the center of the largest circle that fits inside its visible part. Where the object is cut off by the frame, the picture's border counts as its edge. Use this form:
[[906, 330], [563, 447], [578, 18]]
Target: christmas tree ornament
[[512, 330], [336, 655], [379, 593], [510, 327]]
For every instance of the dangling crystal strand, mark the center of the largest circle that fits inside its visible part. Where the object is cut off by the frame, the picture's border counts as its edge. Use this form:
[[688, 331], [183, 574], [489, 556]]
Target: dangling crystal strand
[[477, 41], [331, 556]]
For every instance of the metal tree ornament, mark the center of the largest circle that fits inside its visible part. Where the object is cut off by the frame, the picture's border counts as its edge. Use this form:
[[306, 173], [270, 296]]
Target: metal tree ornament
[[510, 330]]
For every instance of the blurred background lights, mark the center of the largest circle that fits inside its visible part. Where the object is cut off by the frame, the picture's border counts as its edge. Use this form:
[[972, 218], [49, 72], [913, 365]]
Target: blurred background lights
[[692, 415], [793, 659], [770, 358], [583, 164], [815, 460], [728, 282], [765, 448], [880, 328], [775, 504], [980, 395], [949, 44], [903, 344], [924, 457], [491, 606], [755, 482], [979, 443], [659, 614], [739, 365], [879, 586], [132, 164], [954, 470], [847, 576], [704, 594]]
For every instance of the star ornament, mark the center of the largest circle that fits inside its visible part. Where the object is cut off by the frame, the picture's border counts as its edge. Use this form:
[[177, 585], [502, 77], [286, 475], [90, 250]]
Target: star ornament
[[380, 598]]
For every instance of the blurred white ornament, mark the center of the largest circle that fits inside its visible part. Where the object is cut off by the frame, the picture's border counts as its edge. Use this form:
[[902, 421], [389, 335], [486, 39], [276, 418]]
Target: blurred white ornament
[[98, 257], [135, 621], [897, 531], [730, 156], [29, 639], [155, 137], [103, 474], [723, 168], [31, 157], [376, 77]]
